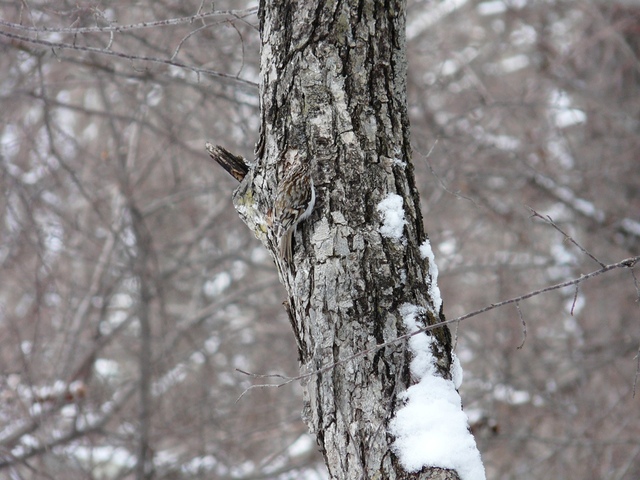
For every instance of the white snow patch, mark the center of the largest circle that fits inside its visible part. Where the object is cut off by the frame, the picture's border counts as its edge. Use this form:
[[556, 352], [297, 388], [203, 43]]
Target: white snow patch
[[630, 226], [169, 380], [572, 327], [303, 445], [569, 117], [199, 465], [10, 140], [514, 63], [26, 347], [562, 113], [107, 368], [431, 429], [491, 8], [567, 195], [562, 255], [103, 461], [449, 67], [502, 142], [508, 394], [154, 96], [392, 213], [212, 344], [559, 150], [164, 459], [523, 35], [434, 290], [457, 373], [448, 247], [217, 285]]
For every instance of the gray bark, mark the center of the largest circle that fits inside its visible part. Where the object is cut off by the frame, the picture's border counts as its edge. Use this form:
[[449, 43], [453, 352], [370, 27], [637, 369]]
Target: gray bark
[[333, 89]]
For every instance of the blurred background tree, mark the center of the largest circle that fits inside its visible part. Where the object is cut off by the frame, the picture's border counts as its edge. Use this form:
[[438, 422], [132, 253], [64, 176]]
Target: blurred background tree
[[130, 292]]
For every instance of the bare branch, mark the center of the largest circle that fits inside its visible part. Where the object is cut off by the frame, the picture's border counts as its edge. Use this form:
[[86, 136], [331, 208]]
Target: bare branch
[[186, 37], [134, 26], [437, 177], [627, 263], [141, 58], [567, 237], [569, 198], [109, 409], [524, 326], [575, 299], [235, 165]]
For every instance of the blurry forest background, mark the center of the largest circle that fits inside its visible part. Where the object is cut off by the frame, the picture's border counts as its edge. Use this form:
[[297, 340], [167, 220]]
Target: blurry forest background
[[130, 291]]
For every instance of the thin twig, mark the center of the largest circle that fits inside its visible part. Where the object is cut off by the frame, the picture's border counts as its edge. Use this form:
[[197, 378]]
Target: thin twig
[[262, 375], [141, 58], [187, 36], [241, 46], [627, 263], [567, 237], [134, 26], [286, 379], [524, 326], [575, 299], [437, 177]]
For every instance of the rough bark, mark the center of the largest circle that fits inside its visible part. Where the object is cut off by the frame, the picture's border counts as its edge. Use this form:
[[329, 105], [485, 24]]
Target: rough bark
[[333, 90]]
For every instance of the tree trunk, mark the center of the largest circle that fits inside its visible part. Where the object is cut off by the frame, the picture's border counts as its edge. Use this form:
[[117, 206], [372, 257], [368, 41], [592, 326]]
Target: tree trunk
[[333, 94]]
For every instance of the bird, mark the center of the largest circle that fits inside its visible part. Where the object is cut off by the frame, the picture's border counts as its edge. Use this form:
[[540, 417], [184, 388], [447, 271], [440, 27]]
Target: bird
[[294, 200]]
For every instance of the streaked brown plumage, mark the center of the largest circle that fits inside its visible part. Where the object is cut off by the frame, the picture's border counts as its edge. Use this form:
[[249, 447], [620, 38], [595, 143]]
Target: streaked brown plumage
[[294, 201]]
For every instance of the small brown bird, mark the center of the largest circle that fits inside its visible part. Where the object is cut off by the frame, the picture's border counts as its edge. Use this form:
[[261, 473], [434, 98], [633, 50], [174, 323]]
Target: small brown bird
[[294, 201]]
